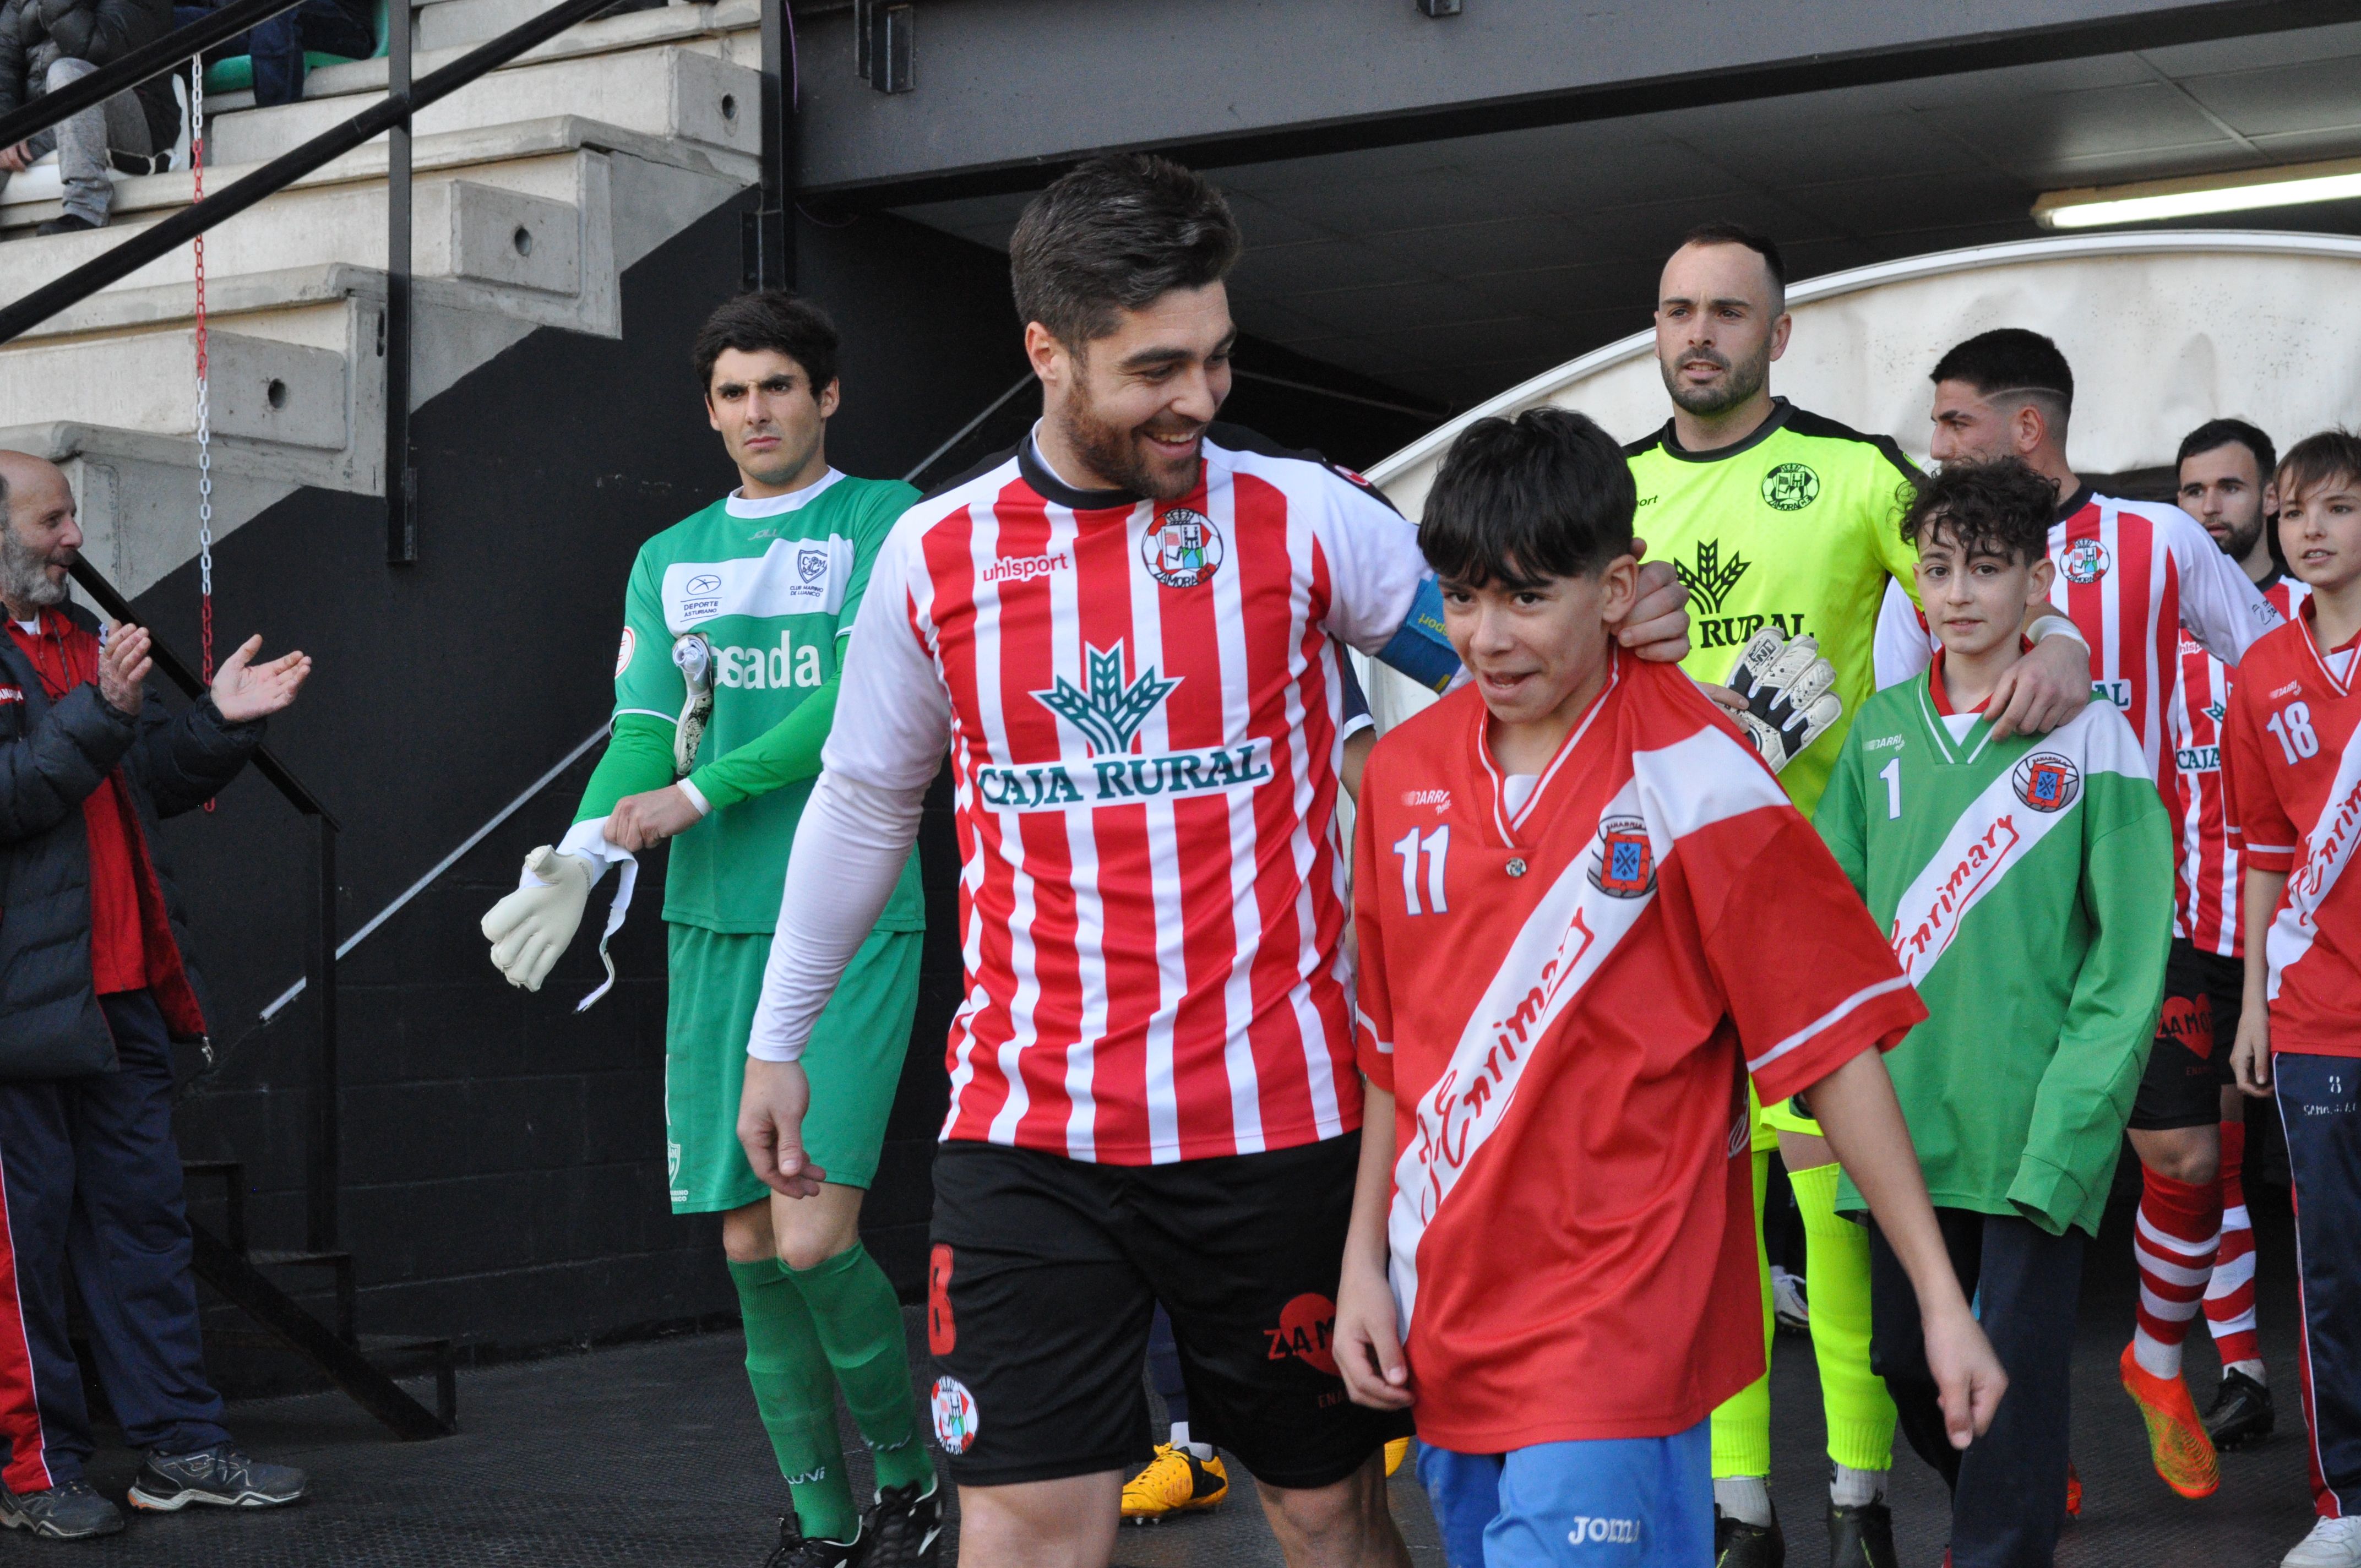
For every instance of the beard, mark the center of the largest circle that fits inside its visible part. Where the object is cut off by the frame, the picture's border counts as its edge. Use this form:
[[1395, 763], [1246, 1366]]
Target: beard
[[2240, 544], [24, 572], [1741, 382], [1118, 453]]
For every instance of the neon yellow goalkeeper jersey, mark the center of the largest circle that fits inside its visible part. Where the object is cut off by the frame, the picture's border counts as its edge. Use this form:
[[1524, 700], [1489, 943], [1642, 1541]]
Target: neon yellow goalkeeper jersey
[[1797, 526]]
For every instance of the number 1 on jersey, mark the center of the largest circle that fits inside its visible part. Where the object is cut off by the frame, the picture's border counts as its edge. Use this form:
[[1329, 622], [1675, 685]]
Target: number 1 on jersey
[[1892, 774], [1436, 844]]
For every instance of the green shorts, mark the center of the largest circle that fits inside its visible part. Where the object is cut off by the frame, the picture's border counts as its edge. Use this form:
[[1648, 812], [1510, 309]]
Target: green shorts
[[854, 1062]]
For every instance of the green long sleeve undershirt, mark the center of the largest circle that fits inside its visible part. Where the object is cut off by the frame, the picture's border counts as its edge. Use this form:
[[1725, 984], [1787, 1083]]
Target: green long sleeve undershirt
[[639, 758]]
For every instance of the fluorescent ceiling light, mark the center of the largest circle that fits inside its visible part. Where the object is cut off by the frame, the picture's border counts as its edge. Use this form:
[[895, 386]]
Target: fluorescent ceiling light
[[2291, 185]]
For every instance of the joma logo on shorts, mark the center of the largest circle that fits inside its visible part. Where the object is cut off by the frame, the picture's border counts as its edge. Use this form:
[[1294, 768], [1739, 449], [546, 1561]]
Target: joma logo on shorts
[[1588, 1529]]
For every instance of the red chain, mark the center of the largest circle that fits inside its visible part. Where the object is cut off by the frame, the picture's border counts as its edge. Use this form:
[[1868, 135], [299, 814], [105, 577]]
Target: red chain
[[205, 598]]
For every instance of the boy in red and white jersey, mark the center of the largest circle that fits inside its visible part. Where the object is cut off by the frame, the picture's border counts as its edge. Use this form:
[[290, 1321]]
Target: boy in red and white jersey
[[1588, 912], [1125, 634], [2295, 788]]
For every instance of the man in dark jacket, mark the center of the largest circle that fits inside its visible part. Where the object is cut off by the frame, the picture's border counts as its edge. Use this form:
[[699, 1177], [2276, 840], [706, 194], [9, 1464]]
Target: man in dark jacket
[[44, 45], [95, 984]]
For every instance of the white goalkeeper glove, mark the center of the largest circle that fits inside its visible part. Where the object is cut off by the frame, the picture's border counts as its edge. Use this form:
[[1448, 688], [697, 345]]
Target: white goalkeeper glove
[[532, 927], [1787, 686]]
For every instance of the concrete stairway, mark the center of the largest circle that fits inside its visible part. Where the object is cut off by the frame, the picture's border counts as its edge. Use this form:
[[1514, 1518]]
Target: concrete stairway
[[533, 188]]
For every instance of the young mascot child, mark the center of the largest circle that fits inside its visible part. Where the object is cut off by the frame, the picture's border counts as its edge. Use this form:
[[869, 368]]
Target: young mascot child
[[2294, 740], [2027, 884], [1588, 912]]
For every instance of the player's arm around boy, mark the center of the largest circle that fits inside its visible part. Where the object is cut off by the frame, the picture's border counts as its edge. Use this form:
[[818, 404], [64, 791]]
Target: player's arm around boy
[[1571, 882]]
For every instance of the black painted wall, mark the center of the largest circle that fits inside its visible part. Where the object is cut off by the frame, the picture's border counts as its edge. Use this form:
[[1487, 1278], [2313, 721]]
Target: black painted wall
[[502, 1176]]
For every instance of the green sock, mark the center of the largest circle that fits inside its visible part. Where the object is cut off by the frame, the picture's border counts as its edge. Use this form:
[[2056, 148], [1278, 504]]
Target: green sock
[[860, 1325], [797, 1398]]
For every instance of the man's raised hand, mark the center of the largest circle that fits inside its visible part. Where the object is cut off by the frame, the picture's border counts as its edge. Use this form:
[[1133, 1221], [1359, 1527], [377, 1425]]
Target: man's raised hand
[[1657, 629], [122, 666], [245, 691]]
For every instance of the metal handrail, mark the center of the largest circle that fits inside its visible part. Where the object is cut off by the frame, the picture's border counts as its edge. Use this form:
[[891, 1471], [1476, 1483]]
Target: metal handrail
[[162, 239], [150, 60]]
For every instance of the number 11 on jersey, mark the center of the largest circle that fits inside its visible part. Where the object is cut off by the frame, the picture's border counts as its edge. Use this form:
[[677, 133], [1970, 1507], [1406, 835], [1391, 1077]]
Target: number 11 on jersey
[[1436, 845]]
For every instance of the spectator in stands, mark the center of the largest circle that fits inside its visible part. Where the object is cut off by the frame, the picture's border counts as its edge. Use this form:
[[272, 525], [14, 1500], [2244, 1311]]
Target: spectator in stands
[[346, 28], [95, 984], [44, 45]]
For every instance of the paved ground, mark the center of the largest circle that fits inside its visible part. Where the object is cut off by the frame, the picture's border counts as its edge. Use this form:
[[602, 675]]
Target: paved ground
[[651, 1455]]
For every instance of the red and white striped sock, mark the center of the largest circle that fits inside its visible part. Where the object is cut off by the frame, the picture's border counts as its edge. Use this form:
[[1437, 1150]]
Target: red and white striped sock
[[2178, 1228], [2230, 1294]]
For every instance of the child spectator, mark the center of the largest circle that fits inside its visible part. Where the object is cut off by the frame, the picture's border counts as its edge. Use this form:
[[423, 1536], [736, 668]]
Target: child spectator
[[2027, 884], [2295, 784], [1587, 914]]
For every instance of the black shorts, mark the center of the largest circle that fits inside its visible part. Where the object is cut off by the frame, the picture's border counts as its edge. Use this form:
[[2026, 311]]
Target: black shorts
[[1045, 1270], [2189, 1066]]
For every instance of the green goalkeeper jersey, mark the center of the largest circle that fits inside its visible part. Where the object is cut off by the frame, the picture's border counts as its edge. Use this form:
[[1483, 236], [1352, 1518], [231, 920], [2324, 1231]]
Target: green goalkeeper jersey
[[1798, 526], [772, 586], [2028, 886]]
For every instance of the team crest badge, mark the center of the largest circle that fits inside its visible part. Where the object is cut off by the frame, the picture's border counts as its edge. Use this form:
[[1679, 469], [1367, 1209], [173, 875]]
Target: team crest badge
[[1624, 865], [956, 1421], [2046, 782], [1791, 486], [1183, 550], [812, 562], [2085, 562]]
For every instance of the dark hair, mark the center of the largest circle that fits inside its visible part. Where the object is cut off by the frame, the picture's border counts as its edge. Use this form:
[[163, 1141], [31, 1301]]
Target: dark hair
[[1548, 494], [2317, 459], [769, 319], [2000, 508], [2217, 432], [1754, 239], [2011, 359], [1114, 235]]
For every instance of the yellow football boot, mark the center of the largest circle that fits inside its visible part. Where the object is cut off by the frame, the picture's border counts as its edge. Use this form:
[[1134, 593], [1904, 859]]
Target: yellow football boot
[[1396, 1452], [1175, 1481]]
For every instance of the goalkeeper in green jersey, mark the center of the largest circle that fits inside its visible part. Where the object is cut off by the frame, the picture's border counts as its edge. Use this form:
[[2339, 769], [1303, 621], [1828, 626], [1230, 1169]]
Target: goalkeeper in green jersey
[[725, 686]]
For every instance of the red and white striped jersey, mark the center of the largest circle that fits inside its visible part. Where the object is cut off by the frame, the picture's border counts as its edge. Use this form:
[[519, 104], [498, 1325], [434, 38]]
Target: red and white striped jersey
[[2130, 576], [2211, 866], [1565, 998], [1142, 705], [2295, 791]]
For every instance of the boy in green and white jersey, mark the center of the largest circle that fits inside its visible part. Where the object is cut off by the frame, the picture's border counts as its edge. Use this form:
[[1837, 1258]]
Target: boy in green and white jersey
[[725, 687], [2027, 884]]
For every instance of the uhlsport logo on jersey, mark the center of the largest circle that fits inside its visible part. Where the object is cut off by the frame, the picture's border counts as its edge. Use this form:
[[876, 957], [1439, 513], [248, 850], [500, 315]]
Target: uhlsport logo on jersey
[[1183, 550], [1710, 580], [1109, 712], [957, 1420], [1791, 486], [2047, 781], [1622, 865], [2085, 563]]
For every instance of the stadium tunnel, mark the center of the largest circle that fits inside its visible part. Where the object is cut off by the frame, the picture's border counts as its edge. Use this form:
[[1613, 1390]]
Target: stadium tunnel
[[1443, 202]]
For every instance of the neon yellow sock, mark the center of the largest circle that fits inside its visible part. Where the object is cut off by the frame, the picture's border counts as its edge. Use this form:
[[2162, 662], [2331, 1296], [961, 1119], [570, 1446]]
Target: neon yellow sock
[[1741, 1424], [1836, 1278], [797, 1398]]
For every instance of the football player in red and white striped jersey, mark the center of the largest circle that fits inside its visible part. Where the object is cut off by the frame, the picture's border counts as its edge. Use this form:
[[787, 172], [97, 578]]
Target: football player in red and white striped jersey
[[2225, 478], [2137, 578], [1125, 632], [2294, 740]]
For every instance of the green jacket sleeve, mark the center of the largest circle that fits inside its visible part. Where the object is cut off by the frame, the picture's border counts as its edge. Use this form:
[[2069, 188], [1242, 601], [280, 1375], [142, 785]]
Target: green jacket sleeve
[[638, 759], [787, 751], [1839, 817], [2085, 1096]]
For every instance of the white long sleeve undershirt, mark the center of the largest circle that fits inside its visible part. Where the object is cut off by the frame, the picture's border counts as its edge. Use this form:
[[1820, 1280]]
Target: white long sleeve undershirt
[[850, 848]]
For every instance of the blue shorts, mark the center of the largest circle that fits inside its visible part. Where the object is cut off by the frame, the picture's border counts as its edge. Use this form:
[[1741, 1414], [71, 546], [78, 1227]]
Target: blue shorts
[[1641, 1502]]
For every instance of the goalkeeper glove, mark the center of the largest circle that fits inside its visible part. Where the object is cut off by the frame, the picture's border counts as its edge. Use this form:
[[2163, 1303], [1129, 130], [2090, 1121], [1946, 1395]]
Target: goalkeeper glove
[[693, 655], [529, 929], [1788, 703]]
